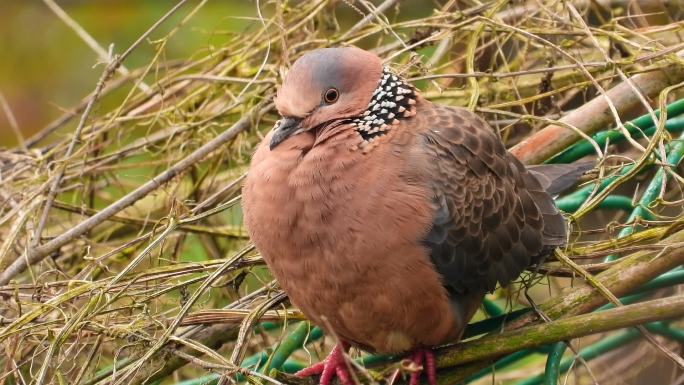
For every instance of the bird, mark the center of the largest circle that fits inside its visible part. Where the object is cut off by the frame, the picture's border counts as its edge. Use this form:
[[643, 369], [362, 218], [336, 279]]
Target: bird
[[385, 217]]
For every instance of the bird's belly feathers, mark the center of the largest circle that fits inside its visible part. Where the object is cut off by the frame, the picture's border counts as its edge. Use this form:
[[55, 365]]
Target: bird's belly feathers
[[348, 249]]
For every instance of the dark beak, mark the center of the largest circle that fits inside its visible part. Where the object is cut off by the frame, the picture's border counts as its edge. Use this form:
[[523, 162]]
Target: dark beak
[[283, 130]]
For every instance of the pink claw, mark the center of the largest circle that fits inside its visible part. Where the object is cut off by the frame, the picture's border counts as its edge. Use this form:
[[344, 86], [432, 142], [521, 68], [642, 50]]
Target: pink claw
[[333, 365], [418, 356]]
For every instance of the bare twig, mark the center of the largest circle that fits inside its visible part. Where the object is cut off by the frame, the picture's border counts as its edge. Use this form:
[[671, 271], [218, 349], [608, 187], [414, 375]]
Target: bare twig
[[90, 41], [373, 14], [12, 121], [109, 70], [38, 253]]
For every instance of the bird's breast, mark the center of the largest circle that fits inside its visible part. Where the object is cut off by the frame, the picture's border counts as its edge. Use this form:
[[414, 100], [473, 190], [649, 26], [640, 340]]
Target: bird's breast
[[304, 197], [342, 233]]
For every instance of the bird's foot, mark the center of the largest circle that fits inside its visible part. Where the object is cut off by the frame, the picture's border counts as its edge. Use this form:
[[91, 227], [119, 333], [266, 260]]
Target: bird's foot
[[333, 365], [422, 360]]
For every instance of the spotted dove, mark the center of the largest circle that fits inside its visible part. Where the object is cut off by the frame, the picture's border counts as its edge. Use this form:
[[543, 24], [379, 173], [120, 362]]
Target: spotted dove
[[386, 217]]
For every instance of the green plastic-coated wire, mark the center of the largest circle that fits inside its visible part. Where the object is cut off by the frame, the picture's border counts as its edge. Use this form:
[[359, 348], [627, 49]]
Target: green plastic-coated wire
[[588, 353], [491, 308], [635, 127], [293, 342], [667, 331], [553, 362], [652, 191], [607, 344], [612, 202], [583, 148]]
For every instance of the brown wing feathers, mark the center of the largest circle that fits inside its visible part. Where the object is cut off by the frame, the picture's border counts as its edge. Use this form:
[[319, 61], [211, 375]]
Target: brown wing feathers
[[500, 218]]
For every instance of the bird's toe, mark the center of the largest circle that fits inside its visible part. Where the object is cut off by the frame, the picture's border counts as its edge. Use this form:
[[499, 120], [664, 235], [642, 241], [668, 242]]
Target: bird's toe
[[422, 361], [333, 365]]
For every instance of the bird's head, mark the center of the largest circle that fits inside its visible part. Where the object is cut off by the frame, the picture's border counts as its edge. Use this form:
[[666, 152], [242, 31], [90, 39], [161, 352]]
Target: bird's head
[[326, 87]]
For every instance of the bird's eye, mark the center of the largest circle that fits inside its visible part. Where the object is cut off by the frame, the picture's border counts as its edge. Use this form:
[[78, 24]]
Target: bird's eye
[[331, 96]]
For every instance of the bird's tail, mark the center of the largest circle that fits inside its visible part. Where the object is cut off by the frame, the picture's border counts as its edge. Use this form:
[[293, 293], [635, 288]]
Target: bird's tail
[[556, 178], [543, 183]]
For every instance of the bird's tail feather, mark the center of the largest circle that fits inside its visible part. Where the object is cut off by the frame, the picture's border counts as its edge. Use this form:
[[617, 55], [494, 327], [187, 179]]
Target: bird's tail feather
[[556, 178]]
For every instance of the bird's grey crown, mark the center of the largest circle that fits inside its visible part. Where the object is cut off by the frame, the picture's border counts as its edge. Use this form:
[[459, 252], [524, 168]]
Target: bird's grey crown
[[392, 100]]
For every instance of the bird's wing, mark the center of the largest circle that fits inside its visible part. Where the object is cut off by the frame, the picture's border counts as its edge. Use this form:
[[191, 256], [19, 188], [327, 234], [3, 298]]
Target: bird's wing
[[493, 217]]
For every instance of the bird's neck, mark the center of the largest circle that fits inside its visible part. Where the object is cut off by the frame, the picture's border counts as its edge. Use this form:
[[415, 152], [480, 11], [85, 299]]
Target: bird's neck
[[394, 99]]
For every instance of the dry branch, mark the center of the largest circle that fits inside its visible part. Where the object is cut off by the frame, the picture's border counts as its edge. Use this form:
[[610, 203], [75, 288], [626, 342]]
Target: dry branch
[[36, 254], [595, 115], [497, 345]]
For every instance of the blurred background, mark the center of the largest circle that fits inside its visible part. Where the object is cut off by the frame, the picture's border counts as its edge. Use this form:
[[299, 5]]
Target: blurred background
[[45, 68]]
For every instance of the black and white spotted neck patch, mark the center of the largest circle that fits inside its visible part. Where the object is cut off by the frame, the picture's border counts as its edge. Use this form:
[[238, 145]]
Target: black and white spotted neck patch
[[392, 100]]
